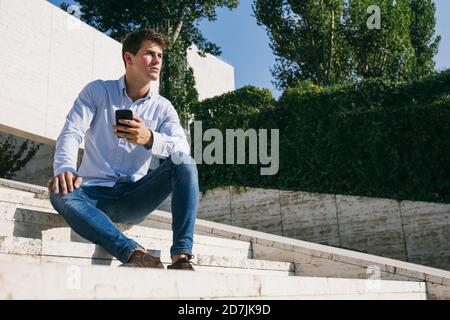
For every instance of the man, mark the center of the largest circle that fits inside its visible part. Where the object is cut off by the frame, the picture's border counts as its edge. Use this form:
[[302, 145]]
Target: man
[[113, 183]]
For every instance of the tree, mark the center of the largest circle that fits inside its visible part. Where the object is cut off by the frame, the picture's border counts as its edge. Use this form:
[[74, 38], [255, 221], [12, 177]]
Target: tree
[[11, 160], [423, 39], [386, 52], [177, 80], [177, 19], [329, 41], [306, 37]]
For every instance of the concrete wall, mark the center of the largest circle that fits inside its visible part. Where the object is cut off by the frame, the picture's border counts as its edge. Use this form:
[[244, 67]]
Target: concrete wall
[[413, 231], [40, 168], [213, 76], [46, 57]]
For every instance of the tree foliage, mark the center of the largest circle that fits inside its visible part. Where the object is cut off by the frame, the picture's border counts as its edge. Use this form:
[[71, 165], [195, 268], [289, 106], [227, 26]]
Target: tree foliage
[[305, 38], [376, 53], [329, 41], [423, 39], [11, 159]]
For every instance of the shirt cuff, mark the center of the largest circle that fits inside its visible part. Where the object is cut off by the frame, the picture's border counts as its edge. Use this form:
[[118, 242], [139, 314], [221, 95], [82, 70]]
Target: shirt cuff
[[64, 169], [158, 144], [147, 145]]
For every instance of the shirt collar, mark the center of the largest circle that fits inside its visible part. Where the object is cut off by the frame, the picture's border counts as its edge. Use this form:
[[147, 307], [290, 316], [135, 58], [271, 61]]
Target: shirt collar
[[123, 89]]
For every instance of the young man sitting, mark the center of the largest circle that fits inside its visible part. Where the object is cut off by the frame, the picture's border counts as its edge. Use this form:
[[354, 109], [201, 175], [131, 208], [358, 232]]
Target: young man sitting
[[113, 183]]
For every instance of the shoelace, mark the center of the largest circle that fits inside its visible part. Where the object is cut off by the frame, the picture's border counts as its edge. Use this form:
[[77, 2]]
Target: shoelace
[[184, 259]]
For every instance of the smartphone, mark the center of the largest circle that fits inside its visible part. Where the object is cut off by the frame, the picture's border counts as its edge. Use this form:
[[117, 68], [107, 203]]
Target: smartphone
[[123, 114]]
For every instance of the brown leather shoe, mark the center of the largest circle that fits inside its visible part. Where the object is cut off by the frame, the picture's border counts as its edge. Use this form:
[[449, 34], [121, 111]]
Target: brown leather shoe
[[183, 263], [141, 259]]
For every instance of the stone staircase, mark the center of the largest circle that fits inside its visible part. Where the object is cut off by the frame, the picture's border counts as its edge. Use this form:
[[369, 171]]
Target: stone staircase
[[42, 258]]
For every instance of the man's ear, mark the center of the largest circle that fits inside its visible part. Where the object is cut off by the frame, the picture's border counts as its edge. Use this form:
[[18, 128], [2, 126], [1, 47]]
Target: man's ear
[[128, 58]]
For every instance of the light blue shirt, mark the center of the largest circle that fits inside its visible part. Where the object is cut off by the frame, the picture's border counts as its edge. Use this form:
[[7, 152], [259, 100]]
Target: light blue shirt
[[107, 158]]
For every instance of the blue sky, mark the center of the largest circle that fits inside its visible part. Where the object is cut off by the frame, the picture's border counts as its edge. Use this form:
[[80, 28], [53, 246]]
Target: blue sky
[[246, 45]]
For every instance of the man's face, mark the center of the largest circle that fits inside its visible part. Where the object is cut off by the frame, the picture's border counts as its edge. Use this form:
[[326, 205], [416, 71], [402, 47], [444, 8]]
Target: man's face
[[147, 62]]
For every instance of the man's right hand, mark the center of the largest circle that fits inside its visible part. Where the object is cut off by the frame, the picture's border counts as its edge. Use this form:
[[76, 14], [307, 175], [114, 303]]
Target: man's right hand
[[66, 180]]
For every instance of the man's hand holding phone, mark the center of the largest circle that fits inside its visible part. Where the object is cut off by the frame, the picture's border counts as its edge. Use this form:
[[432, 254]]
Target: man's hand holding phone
[[66, 180], [137, 133]]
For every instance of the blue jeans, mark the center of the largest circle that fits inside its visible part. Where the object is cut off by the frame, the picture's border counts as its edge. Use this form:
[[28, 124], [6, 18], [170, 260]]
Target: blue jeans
[[92, 210]]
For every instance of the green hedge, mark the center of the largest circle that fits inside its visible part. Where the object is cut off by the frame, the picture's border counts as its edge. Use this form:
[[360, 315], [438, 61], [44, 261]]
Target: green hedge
[[376, 138], [243, 108]]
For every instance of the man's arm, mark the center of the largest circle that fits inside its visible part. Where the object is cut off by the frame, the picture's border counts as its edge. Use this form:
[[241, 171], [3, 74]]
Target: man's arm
[[170, 137], [77, 123]]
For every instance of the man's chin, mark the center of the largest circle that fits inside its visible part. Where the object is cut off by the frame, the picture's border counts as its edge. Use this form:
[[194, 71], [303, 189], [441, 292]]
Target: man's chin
[[153, 77]]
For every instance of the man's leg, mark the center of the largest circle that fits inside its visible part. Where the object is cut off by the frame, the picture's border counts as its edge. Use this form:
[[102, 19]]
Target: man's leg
[[142, 197], [82, 215]]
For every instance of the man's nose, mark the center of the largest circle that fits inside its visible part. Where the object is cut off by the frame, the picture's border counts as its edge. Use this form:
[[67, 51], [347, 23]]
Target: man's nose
[[156, 59]]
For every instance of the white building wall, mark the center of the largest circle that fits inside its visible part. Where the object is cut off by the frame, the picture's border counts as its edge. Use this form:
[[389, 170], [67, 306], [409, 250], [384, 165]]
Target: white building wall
[[47, 56], [213, 76]]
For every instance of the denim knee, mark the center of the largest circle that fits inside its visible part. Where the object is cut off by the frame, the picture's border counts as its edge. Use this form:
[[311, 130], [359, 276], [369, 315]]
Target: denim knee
[[184, 165], [59, 201], [181, 158]]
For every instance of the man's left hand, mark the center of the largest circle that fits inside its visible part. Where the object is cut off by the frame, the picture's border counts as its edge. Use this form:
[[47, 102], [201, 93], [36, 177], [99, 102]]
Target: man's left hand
[[137, 134]]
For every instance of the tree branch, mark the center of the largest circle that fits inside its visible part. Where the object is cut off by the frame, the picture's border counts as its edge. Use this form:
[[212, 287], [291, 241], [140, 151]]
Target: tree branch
[[181, 16]]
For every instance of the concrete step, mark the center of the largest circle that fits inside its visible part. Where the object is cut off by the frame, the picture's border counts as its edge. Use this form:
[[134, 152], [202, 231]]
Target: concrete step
[[7, 191], [32, 280], [90, 254], [200, 261], [36, 224], [43, 225], [9, 197], [21, 201], [39, 191]]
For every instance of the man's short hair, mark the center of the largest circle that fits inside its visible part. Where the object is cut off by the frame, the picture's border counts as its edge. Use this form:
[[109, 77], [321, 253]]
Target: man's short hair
[[133, 41]]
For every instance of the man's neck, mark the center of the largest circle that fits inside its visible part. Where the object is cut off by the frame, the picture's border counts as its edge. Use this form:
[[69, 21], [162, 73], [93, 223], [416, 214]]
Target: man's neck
[[135, 88]]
